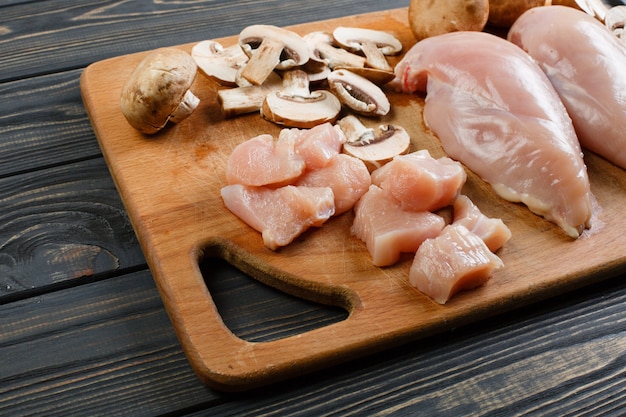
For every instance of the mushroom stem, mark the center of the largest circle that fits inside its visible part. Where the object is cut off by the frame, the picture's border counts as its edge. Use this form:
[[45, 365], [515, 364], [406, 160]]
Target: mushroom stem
[[185, 108], [374, 57], [263, 61], [247, 99], [357, 133], [296, 85]]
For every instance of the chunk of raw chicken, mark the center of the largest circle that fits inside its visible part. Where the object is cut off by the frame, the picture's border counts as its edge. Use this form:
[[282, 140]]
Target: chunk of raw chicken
[[420, 182], [317, 145], [492, 231], [280, 214], [495, 110], [346, 175], [260, 161], [455, 260], [388, 230], [587, 65]]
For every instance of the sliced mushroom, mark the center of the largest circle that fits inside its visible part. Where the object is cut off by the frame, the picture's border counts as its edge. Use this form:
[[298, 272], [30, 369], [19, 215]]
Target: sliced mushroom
[[247, 98], [376, 45], [358, 93], [323, 46], [374, 149], [219, 63], [615, 20], [270, 47], [157, 91], [296, 106]]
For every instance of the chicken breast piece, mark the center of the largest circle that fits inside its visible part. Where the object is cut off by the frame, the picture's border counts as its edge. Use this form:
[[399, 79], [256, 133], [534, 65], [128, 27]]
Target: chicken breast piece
[[420, 182], [491, 230], [388, 230], [455, 260], [346, 175], [260, 161], [280, 214], [495, 110], [317, 145], [587, 66]]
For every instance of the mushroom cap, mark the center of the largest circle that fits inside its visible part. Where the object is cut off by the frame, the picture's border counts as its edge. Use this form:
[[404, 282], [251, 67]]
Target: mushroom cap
[[322, 106], [353, 38], [296, 50], [430, 18], [218, 62], [156, 88], [502, 13]]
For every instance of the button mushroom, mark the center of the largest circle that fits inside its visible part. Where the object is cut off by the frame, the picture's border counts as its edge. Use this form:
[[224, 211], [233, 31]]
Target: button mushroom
[[430, 18], [358, 93], [374, 44], [157, 90], [269, 48], [296, 106], [374, 149], [219, 63]]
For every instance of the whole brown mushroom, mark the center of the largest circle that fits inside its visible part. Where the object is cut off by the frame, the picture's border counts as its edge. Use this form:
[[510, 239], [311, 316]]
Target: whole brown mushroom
[[430, 18], [157, 91], [502, 13]]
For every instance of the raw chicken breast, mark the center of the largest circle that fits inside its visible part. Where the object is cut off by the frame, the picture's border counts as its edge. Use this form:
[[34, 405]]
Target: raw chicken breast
[[455, 260], [280, 214], [492, 231], [495, 110], [587, 65], [346, 175], [420, 182], [316, 145], [261, 161], [387, 230]]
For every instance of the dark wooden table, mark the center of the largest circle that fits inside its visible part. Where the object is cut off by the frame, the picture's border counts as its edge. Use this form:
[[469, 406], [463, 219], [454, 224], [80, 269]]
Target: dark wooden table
[[83, 330]]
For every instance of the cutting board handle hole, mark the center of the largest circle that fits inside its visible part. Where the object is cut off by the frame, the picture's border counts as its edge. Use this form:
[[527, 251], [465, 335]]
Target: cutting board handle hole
[[255, 311]]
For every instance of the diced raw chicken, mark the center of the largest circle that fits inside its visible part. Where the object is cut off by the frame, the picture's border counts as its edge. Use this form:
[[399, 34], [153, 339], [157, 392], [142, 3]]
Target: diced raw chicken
[[587, 65], [346, 175], [316, 145], [495, 110], [260, 161], [387, 230], [280, 214], [455, 260], [420, 182], [492, 231]]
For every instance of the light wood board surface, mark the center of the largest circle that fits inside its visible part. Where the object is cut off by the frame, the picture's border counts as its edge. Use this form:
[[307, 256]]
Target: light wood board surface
[[170, 184]]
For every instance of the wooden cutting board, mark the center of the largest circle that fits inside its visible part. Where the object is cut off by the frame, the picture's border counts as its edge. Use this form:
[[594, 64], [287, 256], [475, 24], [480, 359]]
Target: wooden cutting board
[[170, 184]]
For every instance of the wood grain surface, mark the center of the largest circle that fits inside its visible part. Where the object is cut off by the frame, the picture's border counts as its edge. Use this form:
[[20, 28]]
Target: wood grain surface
[[102, 344], [171, 183]]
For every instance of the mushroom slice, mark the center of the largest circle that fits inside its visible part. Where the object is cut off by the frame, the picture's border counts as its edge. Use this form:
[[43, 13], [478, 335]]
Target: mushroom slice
[[323, 46], [296, 106], [157, 90], [377, 76], [270, 47], [374, 148], [615, 21], [374, 44], [219, 63], [247, 98], [358, 93]]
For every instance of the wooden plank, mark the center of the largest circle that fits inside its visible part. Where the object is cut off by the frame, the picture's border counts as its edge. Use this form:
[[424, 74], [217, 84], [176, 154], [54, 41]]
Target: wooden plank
[[43, 124], [171, 184], [105, 348], [115, 352], [39, 37], [60, 224]]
